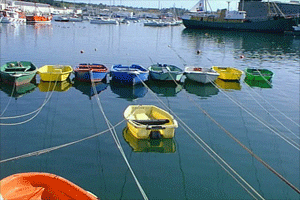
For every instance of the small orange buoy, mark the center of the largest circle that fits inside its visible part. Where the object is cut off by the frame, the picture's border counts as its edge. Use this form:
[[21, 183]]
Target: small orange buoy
[[242, 56], [81, 51]]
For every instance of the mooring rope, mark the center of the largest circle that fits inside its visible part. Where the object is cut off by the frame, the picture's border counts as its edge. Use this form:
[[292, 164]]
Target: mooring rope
[[273, 116], [272, 105], [47, 150], [37, 111], [116, 139], [292, 143], [209, 150], [8, 100]]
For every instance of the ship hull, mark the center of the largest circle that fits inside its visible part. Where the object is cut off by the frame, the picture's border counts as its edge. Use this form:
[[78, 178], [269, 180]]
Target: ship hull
[[272, 25]]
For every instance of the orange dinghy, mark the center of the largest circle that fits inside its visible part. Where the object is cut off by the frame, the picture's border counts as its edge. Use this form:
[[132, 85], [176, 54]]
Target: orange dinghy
[[38, 186]]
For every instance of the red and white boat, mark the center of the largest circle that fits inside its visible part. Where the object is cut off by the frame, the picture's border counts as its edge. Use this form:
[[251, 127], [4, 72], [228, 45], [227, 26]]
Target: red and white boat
[[12, 15]]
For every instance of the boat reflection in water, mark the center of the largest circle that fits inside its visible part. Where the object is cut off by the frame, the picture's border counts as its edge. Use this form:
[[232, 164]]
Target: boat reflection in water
[[149, 145], [88, 88], [128, 92], [166, 89], [260, 83], [228, 85], [202, 90], [58, 86], [18, 91]]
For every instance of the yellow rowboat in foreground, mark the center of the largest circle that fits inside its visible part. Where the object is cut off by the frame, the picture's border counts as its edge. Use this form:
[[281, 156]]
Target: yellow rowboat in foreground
[[55, 72], [228, 73], [148, 121]]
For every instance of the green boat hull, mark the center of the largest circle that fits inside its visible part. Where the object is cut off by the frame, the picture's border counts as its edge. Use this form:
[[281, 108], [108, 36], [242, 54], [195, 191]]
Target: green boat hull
[[17, 73], [258, 74]]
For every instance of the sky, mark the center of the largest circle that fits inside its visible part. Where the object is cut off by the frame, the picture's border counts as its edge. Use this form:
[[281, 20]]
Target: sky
[[188, 4]]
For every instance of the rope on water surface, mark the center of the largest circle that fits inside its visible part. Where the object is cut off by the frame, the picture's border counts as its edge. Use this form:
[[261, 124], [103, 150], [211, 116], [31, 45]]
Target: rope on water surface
[[37, 111], [116, 139], [8, 101], [37, 153], [209, 150], [295, 145], [272, 105]]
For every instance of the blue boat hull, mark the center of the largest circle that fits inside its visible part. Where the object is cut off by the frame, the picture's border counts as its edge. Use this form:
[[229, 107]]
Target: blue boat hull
[[86, 76], [129, 75], [129, 78]]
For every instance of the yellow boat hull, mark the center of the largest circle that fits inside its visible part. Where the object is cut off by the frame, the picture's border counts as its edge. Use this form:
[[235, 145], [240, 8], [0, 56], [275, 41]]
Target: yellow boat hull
[[55, 72], [149, 112], [228, 73]]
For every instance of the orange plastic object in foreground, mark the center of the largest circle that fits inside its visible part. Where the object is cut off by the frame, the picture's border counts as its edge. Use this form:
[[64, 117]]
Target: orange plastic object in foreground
[[38, 186]]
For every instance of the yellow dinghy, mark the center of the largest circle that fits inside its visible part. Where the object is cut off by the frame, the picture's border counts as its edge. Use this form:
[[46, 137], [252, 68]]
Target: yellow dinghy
[[148, 121], [55, 72], [228, 73]]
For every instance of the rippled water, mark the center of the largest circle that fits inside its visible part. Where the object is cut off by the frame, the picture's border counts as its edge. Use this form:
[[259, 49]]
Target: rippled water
[[263, 117]]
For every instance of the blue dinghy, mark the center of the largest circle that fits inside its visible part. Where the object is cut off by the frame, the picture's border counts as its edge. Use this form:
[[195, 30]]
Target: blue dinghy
[[130, 75]]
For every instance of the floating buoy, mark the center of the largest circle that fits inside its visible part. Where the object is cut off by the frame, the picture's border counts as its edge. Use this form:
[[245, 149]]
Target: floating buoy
[[198, 52], [95, 49], [81, 51], [242, 56]]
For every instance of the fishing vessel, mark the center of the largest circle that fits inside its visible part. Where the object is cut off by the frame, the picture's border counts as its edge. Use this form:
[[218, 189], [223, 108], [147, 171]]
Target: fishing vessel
[[38, 18], [201, 74], [38, 186], [165, 72], [228, 73], [17, 72], [149, 121], [131, 75], [236, 20], [55, 72], [88, 72], [258, 74]]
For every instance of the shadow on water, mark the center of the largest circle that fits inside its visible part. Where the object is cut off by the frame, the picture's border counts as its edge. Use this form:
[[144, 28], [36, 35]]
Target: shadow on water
[[46, 86], [128, 92], [165, 145], [166, 89], [260, 83], [228, 85], [248, 42], [18, 91], [87, 88], [202, 90]]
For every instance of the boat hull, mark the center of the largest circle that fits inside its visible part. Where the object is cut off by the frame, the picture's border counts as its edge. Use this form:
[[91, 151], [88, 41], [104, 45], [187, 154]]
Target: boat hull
[[55, 73], [202, 77], [275, 26], [228, 73], [258, 74], [85, 76], [129, 75], [13, 75], [165, 72], [37, 185], [148, 112]]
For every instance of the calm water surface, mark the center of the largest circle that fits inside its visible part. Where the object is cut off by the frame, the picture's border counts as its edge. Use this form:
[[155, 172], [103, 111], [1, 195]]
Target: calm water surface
[[263, 117]]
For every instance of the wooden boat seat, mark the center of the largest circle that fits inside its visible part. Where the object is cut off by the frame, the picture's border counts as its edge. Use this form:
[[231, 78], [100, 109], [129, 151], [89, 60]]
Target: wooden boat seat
[[152, 121]]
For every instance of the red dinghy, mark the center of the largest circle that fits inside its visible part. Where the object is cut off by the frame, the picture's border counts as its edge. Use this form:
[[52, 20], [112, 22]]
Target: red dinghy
[[38, 186]]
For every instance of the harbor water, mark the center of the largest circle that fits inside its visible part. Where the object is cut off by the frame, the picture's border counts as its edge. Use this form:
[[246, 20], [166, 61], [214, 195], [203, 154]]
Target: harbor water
[[264, 117]]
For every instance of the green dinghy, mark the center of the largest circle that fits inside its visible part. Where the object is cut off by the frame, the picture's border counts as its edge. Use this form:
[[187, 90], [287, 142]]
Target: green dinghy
[[258, 74]]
